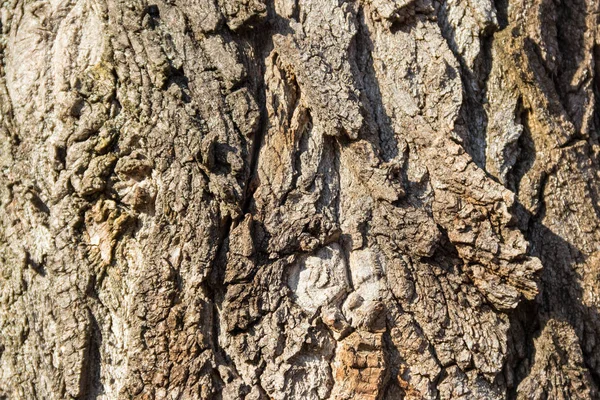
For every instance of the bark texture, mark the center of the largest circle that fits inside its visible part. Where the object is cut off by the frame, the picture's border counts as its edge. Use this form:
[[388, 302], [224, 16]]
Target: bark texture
[[299, 199]]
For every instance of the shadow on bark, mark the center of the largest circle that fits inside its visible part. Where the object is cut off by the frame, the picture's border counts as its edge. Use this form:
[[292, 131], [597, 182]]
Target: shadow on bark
[[474, 81], [560, 299], [92, 380], [377, 118]]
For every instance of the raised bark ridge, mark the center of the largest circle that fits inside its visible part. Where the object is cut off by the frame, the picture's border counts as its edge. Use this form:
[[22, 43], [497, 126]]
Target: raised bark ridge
[[299, 199]]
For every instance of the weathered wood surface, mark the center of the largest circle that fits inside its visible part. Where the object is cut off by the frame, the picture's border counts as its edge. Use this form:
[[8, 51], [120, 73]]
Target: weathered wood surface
[[299, 199]]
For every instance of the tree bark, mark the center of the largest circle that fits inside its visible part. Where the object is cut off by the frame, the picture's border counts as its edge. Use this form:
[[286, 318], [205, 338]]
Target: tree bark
[[299, 199]]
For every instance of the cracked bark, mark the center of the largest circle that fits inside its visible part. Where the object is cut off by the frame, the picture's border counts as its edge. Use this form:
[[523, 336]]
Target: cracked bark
[[299, 199]]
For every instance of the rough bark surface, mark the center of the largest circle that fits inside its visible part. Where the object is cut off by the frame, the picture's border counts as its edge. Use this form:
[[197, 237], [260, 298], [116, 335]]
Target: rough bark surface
[[299, 199]]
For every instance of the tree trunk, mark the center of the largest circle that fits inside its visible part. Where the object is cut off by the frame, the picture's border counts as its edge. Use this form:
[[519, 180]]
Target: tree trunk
[[300, 199]]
